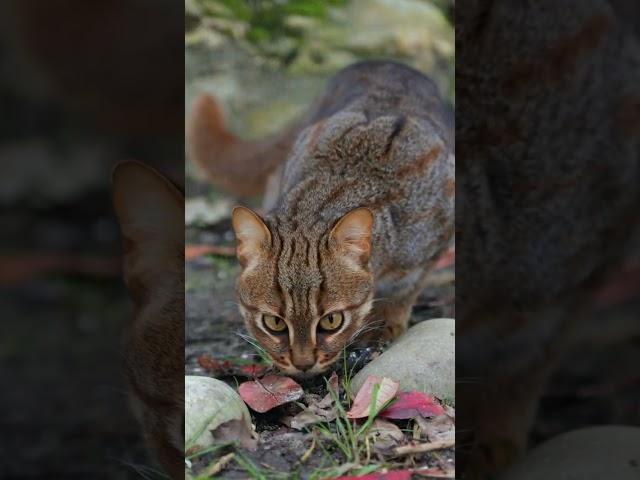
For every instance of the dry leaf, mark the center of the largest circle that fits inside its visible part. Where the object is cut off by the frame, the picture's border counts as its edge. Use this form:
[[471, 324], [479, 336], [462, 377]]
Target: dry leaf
[[436, 472], [362, 403], [385, 435], [234, 430], [269, 392], [303, 420], [437, 429], [318, 410]]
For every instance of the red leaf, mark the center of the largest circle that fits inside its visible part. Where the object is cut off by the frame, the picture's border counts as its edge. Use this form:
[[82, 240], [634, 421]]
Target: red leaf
[[412, 404], [362, 403], [270, 392], [252, 370], [446, 260], [228, 368], [393, 475]]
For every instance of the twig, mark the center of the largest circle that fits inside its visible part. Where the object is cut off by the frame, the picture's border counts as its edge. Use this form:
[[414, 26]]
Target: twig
[[423, 447], [220, 465], [305, 456]]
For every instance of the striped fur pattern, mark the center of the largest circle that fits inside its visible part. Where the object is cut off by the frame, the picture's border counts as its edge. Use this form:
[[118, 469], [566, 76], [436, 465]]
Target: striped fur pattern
[[356, 212]]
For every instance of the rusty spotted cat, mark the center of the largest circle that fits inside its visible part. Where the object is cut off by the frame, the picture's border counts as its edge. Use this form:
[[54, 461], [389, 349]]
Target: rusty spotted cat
[[358, 203]]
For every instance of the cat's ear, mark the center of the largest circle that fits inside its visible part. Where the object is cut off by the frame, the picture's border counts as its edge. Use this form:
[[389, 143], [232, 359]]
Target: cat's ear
[[352, 233], [150, 211], [252, 234]]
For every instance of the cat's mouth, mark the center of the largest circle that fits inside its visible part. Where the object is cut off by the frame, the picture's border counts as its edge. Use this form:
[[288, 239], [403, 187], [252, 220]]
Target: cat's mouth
[[300, 375], [322, 365], [303, 374], [318, 369]]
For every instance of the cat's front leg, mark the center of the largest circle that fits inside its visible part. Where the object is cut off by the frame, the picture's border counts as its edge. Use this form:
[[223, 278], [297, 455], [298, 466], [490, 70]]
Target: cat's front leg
[[395, 297]]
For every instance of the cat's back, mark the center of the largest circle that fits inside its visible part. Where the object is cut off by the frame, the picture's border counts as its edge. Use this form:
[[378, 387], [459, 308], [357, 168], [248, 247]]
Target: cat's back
[[378, 138], [380, 88]]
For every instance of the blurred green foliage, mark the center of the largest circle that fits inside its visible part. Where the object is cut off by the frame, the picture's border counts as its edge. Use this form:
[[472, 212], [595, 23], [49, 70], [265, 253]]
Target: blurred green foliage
[[263, 24], [280, 31]]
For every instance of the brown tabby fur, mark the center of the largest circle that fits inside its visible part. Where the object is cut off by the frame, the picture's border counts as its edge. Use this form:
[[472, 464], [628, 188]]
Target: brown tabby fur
[[150, 211], [359, 202], [547, 95]]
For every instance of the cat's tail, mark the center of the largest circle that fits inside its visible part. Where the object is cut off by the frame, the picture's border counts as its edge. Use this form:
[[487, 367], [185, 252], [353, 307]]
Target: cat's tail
[[240, 167]]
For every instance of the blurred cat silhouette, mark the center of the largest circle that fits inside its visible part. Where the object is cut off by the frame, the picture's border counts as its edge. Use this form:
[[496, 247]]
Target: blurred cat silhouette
[[547, 137], [150, 210]]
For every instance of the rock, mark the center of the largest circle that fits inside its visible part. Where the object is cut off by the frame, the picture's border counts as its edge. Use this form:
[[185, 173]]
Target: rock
[[422, 359], [202, 211], [587, 454], [214, 413]]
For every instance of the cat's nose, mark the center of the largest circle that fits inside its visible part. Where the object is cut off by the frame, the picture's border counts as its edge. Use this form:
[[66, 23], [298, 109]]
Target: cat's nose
[[303, 364]]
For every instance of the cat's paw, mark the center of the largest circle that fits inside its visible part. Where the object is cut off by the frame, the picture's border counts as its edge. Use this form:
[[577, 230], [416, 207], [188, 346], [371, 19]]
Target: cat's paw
[[392, 331]]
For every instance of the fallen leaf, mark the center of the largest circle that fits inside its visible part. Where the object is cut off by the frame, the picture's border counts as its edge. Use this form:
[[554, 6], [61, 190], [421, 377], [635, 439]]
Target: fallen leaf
[[392, 475], [334, 383], [385, 435], [436, 472], [318, 410], [234, 430], [412, 404], [362, 403], [303, 420], [449, 410], [446, 260], [269, 392], [437, 429], [226, 367]]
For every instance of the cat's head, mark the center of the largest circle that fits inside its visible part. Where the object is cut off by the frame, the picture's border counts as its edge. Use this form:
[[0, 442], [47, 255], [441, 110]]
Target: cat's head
[[304, 294]]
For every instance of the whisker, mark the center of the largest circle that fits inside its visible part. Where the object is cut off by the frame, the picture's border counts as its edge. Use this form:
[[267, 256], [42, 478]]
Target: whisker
[[380, 299], [367, 327]]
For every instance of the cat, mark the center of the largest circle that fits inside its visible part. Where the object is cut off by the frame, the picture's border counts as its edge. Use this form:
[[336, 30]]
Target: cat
[[359, 202], [150, 211], [547, 198]]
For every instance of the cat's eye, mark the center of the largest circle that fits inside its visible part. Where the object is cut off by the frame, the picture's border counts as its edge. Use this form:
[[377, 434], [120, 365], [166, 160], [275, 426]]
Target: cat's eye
[[331, 322], [274, 324]]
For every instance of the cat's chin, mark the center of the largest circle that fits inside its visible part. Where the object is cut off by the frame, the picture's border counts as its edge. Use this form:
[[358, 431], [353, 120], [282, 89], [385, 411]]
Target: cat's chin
[[305, 375], [300, 375]]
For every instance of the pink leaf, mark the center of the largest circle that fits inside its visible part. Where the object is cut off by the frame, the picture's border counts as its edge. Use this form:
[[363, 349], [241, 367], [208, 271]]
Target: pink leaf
[[362, 403], [446, 260], [393, 475], [412, 404], [270, 392]]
